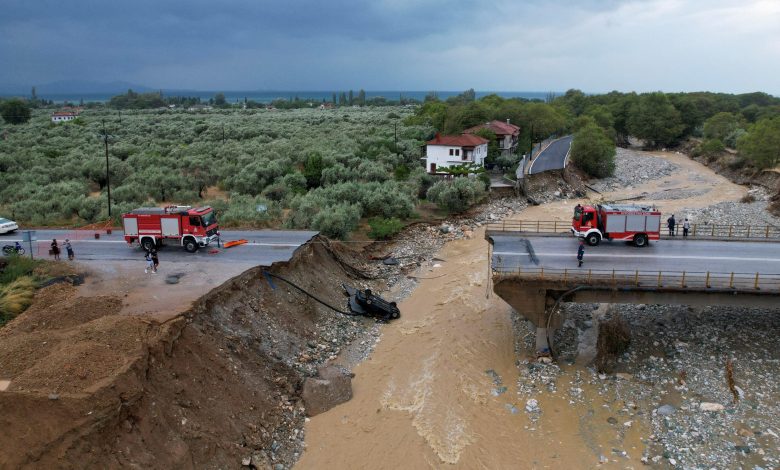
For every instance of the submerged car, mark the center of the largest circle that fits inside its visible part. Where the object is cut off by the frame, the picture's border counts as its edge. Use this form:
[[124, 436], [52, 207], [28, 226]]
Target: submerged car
[[7, 226]]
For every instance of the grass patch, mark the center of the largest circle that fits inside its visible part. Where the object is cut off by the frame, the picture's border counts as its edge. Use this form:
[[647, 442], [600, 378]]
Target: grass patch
[[382, 229], [19, 278], [15, 297]]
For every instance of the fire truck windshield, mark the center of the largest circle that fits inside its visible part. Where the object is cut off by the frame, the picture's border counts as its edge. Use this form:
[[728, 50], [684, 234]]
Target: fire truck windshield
[[209, 219]]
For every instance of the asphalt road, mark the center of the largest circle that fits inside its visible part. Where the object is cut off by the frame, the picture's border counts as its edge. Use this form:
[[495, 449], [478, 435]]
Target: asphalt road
[[691, 256], [264, 248], [553, 157]]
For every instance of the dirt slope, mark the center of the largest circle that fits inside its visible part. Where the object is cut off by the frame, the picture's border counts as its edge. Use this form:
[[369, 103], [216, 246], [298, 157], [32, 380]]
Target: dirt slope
[[92, 388]]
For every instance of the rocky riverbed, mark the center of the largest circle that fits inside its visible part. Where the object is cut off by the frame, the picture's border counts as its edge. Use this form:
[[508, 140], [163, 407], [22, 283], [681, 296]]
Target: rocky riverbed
[[700, 380]]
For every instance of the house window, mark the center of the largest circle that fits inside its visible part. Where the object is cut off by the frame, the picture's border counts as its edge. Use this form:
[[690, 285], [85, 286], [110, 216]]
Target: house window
[[452, 152], [457, 152]]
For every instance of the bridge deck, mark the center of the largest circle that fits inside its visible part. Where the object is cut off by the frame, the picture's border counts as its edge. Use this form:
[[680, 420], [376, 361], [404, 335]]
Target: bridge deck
[[684, 264], [552, 228]]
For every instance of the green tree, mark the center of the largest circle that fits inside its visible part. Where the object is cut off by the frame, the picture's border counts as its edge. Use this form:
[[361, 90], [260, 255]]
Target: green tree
[[544, 119], [312, 170], [351, 98], [655, 120], [593, 151], [15, 111], [762, 143], [721, 125], [361, 99], [493, 151], [575, 101], [219, 99]]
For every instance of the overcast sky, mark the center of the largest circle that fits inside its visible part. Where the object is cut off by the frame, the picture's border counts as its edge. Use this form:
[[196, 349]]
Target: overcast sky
[[507, 45]]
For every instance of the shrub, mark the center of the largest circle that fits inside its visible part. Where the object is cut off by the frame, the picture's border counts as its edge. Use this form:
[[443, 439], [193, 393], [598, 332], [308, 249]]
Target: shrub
[[382, 229], [337, 221], [457, 195], [711, 148]]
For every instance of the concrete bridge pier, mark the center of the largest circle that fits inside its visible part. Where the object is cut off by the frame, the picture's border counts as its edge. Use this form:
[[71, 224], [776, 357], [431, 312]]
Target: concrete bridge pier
[[536, 305]]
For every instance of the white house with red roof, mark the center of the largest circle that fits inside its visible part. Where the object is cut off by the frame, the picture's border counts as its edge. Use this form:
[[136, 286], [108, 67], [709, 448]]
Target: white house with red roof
[[444, 151], [63, 116], [507, 135]]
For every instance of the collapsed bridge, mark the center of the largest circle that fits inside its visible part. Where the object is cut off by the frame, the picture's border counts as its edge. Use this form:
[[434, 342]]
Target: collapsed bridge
[[534, 269]]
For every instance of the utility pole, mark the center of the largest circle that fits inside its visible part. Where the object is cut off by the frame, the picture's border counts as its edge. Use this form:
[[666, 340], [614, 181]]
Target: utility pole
[[396, 137], [223, 134], [120, 116], [108, 177]]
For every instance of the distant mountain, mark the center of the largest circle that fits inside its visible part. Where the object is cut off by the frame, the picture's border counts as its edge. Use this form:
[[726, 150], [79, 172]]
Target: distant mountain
[[83, 86], [74, 87]]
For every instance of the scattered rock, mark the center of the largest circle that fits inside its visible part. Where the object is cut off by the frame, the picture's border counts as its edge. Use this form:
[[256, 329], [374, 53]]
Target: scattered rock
[[331, 388], [532, 406], [705, 406], [665, 410]]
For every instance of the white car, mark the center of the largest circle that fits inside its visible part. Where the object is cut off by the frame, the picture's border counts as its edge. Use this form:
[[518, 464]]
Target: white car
[[7, 226]]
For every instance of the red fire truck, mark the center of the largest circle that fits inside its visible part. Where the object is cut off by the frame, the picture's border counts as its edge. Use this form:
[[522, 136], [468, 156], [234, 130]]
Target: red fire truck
[[638, 224], [191, 228]]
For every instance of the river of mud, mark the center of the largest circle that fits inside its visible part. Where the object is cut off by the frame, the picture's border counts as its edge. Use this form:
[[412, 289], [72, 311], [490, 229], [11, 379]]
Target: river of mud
[[444, 386]]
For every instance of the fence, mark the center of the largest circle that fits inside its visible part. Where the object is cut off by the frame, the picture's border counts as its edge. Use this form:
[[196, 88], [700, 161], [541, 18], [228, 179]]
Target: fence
[[649, 279], [700, 231]]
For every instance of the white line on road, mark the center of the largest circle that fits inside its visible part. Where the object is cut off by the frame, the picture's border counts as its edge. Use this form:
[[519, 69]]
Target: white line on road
[[600, 255]]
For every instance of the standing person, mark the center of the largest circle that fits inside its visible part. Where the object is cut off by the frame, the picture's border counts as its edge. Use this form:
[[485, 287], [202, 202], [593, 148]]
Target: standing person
[[155, 261], [670, 222], [55, 249], [580, 253], [686, 227], [69, 249], [149, 263]]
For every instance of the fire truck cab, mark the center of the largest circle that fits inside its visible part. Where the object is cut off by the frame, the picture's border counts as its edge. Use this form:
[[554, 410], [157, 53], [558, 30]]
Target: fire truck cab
[[638, 224], [191, 228]]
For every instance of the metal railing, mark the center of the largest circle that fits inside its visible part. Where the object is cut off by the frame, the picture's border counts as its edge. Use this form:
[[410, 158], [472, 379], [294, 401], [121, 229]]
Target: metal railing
[[533, 226], [699, 231], [734, 281]]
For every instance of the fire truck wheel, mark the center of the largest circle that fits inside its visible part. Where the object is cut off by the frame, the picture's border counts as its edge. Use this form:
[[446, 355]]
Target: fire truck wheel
[[593, 239], [190, 245], [640, 240], [147, 243]]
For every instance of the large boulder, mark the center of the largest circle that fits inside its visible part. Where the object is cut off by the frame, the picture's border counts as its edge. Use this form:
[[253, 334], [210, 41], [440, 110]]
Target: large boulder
[[331, 387]]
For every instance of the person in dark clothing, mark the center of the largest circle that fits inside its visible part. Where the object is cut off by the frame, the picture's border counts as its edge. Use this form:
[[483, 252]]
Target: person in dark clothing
[[55, 250], [155, 261], [686, 227], [670, 222], [580, 252]]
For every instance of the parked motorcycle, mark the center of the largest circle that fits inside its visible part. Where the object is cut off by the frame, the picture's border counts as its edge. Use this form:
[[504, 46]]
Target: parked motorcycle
[[9, 250]]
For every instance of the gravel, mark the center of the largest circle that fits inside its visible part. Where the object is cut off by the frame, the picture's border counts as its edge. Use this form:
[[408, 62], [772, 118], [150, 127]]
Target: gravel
[[737, 213], [633, 168]]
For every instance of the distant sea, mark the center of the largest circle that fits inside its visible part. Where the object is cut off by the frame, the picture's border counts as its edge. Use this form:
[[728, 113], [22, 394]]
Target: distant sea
[[268, 96]]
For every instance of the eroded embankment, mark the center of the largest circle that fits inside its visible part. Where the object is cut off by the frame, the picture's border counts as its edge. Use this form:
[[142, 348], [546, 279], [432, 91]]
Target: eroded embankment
[[89, 387]]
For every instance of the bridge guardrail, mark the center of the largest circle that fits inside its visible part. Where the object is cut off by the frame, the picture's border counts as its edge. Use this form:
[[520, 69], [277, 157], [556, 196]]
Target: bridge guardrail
[[697, 231], [734, 281]]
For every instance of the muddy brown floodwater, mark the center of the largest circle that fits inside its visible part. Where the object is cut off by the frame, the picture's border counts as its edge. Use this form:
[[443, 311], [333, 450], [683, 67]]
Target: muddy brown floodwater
[[431, 395]]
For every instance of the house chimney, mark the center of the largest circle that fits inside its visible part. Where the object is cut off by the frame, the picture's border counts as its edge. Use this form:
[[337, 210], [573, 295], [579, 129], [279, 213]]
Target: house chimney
[[436, 138], [507, 120]]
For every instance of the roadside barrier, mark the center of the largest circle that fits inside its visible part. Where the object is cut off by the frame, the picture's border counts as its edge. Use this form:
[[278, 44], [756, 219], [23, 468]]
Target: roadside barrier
[[734, 281], [697, 231]]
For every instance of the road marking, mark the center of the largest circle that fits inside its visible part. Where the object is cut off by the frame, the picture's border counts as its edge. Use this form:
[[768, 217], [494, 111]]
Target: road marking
[[599, 255], [531, 168]]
